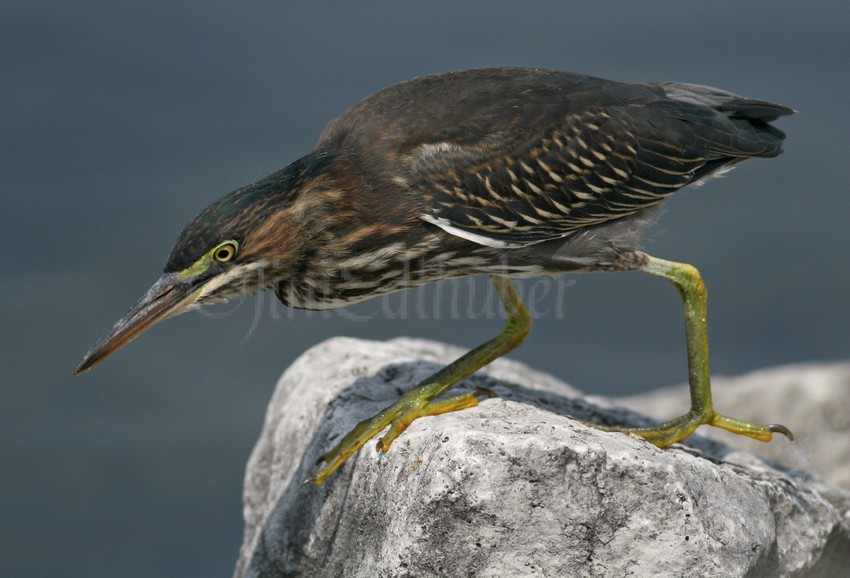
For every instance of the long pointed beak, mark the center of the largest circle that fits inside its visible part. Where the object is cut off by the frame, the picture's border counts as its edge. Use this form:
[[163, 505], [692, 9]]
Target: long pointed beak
[[168, 297]]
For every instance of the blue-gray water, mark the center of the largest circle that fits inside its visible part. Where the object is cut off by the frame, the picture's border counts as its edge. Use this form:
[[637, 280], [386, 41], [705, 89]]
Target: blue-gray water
[[122, 120]]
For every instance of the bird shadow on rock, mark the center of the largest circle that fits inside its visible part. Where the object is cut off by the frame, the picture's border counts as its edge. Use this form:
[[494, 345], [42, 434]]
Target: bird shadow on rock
[[284, 541]]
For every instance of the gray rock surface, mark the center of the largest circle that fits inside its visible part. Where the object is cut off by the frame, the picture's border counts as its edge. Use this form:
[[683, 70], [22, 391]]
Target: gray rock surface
[[514, 487]]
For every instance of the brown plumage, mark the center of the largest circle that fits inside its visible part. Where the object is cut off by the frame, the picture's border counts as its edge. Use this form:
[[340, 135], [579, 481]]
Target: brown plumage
[[507, 159], [502, 171], [507, 172]]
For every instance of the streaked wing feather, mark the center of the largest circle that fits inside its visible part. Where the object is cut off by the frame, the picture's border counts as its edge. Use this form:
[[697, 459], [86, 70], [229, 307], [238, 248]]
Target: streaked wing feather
[[520, 156], [589, 167]]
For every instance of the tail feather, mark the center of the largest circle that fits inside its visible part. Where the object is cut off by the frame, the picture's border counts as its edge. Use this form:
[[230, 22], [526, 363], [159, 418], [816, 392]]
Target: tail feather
[[735, 128], [734, 105]]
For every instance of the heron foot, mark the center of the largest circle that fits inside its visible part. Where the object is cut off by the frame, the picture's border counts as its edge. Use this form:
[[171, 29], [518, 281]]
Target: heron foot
[[398, 417], [680, 428]]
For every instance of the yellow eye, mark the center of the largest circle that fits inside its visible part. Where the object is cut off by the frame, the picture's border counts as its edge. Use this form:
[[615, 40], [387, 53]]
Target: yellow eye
[[225, 252]]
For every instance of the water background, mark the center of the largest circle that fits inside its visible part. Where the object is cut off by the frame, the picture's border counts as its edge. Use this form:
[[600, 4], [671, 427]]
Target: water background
[[119, 121]]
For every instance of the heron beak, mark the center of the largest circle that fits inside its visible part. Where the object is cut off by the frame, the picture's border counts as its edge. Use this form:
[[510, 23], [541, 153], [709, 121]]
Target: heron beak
[[168, 297]]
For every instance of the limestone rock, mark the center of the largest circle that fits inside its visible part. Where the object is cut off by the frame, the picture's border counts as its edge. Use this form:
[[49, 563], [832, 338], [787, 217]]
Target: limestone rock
[[515, 487]]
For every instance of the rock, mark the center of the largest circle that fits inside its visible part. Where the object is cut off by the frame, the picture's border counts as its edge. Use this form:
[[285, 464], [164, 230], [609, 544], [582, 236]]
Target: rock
[[514, 487]]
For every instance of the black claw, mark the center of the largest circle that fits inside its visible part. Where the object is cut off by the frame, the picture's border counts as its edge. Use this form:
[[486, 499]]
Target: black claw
[[779, 428], [484, 391]]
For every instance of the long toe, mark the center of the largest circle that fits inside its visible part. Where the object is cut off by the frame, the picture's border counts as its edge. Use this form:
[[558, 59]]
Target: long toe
[[680, 428], [398, 417], [762, 433], [353, 441]]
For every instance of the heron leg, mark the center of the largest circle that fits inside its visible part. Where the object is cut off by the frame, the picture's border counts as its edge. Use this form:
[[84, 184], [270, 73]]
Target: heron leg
[[417, 402], [689, 283]]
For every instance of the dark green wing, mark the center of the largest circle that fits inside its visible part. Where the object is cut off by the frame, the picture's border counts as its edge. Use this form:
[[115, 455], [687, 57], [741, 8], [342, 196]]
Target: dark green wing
[[508, 157], [595, 165]]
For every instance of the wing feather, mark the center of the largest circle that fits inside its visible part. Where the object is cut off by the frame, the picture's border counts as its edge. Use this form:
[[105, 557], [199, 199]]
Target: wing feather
[[518, 156], [587, 168]]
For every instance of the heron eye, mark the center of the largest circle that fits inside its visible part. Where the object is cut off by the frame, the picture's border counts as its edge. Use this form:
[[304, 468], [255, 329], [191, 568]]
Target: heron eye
[[225, 252]]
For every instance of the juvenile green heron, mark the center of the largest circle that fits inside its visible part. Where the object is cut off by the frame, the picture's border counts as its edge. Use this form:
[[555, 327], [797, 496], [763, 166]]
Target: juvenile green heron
[[504, 172]]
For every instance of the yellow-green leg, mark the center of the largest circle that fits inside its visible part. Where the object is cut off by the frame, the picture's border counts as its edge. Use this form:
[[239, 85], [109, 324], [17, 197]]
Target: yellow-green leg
[[417, 402], [689, 283]]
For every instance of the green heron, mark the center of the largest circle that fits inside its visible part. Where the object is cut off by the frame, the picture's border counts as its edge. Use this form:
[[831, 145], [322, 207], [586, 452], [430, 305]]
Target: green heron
[[505, 172]]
